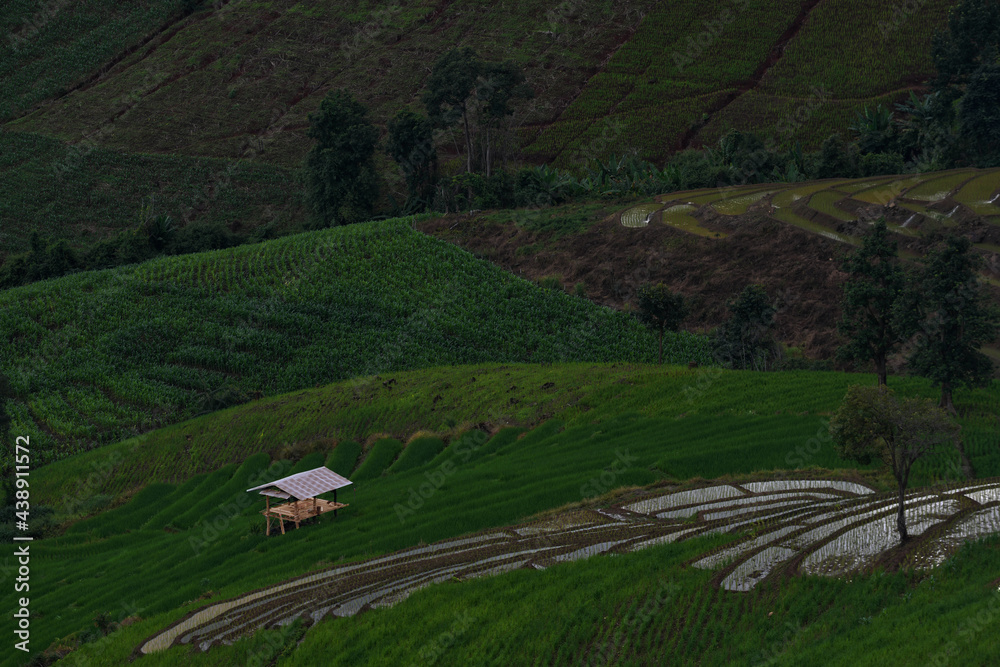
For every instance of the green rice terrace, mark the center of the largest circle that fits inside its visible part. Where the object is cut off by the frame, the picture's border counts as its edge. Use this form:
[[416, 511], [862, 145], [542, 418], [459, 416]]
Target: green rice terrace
[[330, 333], [97, 356], [600, 469], [913, 206]]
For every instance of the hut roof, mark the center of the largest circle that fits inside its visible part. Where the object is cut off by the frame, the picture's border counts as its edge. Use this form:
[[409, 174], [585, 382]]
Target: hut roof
[[308, 484]]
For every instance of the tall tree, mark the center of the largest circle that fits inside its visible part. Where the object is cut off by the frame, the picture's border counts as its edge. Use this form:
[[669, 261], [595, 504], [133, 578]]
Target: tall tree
[[480, 93], [660, 309], [411, 145], [746, 339], [341, 181], [948, 312], [499, 85], [453, 79], [874, 285], [872, 424]]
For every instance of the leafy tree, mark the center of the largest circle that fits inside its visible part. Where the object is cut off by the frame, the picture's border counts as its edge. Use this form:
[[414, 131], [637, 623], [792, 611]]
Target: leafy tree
[[948, 312], [452, 81], [979, 116], [874, 285], [928, 132], [971, 41], [660, 309], [837, 159], [875, 129], [341, 181], [463, 87], [872, 424], [411, 145], [746, 339]]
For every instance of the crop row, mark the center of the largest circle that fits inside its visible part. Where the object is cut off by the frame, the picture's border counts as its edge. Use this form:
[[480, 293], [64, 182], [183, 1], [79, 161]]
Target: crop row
[[283, 315]]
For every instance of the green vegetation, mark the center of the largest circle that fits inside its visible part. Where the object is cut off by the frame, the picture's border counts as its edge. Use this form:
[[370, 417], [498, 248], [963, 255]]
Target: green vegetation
[[736, 423], [97, 357], [660, 310], [377, 460], [49, 47], [341, 182], [873, 425], [517, 394], [746, 340], [86, 194], [950, 317], [875, 283]]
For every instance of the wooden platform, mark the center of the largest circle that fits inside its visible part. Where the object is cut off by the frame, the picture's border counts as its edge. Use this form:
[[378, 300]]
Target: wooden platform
[[299, 511]]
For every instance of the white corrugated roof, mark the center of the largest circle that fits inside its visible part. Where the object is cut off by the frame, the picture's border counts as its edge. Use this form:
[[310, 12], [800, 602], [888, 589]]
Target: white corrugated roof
[[308, 484]]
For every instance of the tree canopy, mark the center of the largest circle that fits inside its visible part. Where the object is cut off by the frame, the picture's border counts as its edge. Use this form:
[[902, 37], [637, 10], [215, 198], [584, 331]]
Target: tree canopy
[[874, 285], [947, 312], [746, 340], [660, 309], [341, 181], [873, 425], [411, 144]]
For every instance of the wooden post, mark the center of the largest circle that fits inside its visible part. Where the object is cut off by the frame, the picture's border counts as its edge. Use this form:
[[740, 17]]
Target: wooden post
[[267, 508], [335, 502]]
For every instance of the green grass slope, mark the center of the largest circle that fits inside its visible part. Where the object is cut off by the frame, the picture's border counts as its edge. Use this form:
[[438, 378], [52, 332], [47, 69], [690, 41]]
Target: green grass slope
[[645, 608], [739, 423], [97, 356], [450, 399], [608, 75]]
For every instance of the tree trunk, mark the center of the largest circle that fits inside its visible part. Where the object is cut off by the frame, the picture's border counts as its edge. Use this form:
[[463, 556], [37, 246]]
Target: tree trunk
[[901, 516], [946, 398], [661, 346], [488, 156], [880, 369], [468, 142], [967, 469]]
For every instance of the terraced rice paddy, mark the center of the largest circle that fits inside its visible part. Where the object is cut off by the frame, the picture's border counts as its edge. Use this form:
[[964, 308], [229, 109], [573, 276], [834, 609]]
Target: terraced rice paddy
[[933, 200], [639, 216], [739, 204], [681, 217], [825, 527]]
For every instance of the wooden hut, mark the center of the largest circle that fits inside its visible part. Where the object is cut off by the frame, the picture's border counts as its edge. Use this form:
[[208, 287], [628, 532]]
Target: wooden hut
[[301, 489]]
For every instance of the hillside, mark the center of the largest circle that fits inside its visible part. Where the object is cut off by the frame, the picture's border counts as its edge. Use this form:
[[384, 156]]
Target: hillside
[[739, 425], [96, 357], [88, 194], [238, 77], [708, 244]]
